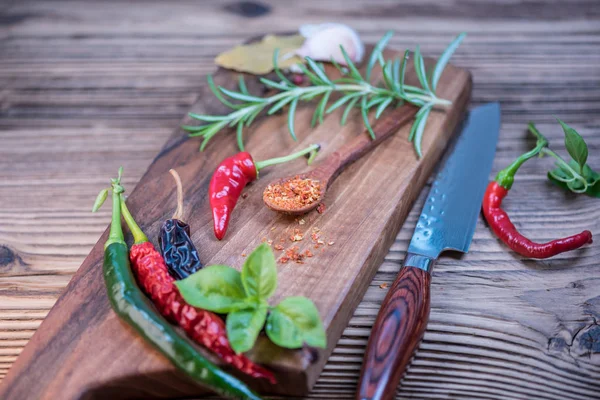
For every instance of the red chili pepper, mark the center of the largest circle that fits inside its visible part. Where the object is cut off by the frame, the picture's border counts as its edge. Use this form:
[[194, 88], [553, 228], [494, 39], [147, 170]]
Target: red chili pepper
[[231, 177], [204, 327], [500, 223]]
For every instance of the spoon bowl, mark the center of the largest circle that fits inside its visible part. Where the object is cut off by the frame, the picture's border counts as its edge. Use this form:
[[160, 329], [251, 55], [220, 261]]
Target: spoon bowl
[[300, 210]]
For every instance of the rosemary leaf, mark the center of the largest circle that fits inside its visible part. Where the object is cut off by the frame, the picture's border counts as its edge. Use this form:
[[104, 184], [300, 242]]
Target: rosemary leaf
[[239, 135], [341, 101], [278, 71], [403, 72], [279, 105], [376, 53], [353, 71], [208, 118], [420, 69], [318, 71], [241, 96], [321, 107], [348, 109], [365, 114], [291, 116], [443, 60], [218, 95], [273, 84], [242, 85], [382, 106]]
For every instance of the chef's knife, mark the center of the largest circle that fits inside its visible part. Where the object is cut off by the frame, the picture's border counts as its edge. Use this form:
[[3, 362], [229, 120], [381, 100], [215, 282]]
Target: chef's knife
[[447, 222]]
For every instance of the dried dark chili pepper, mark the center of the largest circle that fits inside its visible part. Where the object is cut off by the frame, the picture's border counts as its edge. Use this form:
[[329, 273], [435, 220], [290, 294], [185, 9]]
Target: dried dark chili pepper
[[500, 223], [231, 177], [133, 307], [176, 246], [204, 327]]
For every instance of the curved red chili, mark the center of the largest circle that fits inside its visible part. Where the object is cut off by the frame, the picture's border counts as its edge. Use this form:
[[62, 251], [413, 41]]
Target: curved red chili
[[204, 327], [500, 223], [507, 232], [231, 177]]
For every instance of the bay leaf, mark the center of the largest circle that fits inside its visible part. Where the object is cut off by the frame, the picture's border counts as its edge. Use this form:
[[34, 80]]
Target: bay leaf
[[257, 58]]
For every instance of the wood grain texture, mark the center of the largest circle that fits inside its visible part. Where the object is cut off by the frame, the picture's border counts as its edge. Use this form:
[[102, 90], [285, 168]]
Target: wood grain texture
[[88, 86], [396, 334], [361, 220]]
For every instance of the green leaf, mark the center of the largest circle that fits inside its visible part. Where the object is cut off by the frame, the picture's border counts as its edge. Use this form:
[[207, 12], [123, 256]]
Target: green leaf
[[259, 273], [242, 84], [280, 104], [318, 71], [218, 95], [241, 96], [588, 183], [208, 118], [341, 101], [443, 60], [273, 84], [403, 71], [383, 106], [420, 123], [364, 111], [216, 288], [420, 69], [296, 321], [100, 199], [348, 109], [353, 71], [239, 134], [375, 100], [291, 115], [278, 71], [314, 79], [575, 145], [320, 110], [377, 50], [244, 326]]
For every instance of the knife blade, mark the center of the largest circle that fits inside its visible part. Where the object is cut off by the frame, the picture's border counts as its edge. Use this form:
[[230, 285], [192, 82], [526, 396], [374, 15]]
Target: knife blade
[[447, 222]]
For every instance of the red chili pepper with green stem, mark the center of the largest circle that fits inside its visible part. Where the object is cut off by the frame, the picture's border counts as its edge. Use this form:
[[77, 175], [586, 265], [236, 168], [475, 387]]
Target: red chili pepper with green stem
[[500, 223], [231, 177], [204, 327]]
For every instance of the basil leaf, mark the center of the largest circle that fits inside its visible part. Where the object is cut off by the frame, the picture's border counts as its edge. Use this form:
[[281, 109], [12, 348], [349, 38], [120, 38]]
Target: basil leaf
[[216, 288], [244, 326], [565, 180], [296, 321], [259, 273], [575, 145]]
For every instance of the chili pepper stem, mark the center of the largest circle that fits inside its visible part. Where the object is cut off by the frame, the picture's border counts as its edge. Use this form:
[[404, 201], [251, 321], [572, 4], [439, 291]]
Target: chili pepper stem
[[136, 231], [116, 231], [506, 177], [179, 210], [312, 150]]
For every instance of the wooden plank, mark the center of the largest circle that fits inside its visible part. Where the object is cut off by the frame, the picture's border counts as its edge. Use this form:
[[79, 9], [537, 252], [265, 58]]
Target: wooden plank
[[65, 50]]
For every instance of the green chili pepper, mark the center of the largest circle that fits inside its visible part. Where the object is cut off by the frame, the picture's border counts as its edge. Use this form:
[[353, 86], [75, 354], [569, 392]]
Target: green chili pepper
[[133, 307]]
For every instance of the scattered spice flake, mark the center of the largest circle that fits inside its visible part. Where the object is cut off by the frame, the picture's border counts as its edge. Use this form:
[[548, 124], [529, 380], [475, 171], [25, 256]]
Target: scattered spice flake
[[330, 243], [308, 253], [284, 259], [243, 254], [321, 208], [244, 195], [282, 240], [302, 222], [278, 247], [273, 228], [297, 236], [269, 242], [264, 239], [383, 286], [294, 193]]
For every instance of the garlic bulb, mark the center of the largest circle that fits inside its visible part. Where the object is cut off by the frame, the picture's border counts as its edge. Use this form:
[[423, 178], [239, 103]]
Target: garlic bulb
[[323, 43]]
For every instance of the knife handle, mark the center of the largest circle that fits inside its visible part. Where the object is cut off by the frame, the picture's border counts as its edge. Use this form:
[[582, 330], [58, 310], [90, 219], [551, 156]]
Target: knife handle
[[399, 328]]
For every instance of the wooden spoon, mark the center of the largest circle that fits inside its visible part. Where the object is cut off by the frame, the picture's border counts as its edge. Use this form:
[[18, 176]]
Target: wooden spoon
[[326, 172]]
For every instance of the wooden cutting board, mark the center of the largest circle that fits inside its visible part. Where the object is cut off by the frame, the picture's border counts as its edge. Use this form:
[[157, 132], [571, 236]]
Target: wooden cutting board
[[82, 350]]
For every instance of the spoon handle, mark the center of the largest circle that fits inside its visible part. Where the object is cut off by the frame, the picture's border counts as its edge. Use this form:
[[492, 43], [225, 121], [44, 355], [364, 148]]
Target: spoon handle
[[385, 127]]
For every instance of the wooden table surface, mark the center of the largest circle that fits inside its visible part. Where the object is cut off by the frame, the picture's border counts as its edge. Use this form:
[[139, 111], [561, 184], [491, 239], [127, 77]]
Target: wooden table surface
[[88, 86]]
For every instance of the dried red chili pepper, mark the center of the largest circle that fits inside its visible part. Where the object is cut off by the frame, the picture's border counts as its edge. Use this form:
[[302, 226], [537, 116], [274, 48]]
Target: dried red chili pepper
[[231, 177], [202, 326], [500, 223], [176, 246]]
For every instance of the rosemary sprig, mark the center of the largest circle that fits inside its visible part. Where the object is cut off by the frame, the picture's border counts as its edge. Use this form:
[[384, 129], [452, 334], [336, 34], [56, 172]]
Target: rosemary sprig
[[356, 89]]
